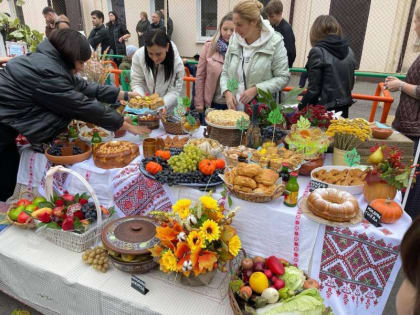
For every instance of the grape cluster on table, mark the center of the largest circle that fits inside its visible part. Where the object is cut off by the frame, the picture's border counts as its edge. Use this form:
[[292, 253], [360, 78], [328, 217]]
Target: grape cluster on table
[[168, 176], [267, 134], [89, 211], [55, 149]]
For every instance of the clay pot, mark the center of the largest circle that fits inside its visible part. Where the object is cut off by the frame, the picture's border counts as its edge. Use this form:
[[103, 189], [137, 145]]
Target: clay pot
[[378, 191]]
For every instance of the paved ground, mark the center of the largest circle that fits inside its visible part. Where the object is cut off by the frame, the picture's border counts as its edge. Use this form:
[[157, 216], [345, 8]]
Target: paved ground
[[359, 109]]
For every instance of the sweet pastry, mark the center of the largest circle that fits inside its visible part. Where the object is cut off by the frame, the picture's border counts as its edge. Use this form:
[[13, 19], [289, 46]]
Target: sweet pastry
[[274, 157], [235, 153], [249, 170], [267, 177], [115, 154], [332, 204], [264, 190], [89, 132], [242, 188], [175, 142], [346, 177], [244, 181], [152, 102], [225, 118]]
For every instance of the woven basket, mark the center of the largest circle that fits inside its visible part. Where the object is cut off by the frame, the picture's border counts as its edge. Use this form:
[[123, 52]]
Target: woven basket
[[226, 137], [173, 128], [251, 197], [234, 266], [29, 224], [69, 240]]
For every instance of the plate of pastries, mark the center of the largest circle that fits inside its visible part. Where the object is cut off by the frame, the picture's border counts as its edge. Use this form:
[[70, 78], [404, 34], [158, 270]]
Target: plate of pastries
[[331, 206], [86, 133], [350, 179], [273, 157], [253, 183]]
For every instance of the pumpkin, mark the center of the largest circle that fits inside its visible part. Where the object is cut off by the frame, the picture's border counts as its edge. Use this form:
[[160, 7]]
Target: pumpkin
[[153, 168], [378, 191], [390, 210], [163, 154], [219, 163], [206, 167]]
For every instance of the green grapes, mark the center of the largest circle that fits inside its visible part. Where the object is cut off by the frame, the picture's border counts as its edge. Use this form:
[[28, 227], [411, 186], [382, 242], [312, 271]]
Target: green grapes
[[187, 160]]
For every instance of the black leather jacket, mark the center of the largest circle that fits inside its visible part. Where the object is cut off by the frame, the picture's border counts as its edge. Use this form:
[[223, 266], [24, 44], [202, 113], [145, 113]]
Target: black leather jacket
[[330, 68], [39, 96]]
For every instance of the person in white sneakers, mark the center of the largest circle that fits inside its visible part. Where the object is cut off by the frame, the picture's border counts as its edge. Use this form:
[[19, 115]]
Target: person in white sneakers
[[158, 68]]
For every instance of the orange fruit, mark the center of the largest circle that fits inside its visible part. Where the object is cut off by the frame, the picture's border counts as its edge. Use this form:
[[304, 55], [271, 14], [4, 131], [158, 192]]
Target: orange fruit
[[258, 282]]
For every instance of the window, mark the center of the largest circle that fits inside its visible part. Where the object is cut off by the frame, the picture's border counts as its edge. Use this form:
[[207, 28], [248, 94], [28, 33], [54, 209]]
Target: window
[[156, 5], [206, 19]]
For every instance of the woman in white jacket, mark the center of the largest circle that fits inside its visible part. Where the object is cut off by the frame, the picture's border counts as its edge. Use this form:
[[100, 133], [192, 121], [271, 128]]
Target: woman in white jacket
[[158, 68], [256, 57]]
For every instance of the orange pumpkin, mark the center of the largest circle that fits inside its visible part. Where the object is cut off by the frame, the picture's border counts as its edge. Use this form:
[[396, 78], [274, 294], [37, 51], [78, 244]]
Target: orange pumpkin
[[153, 168], [219, 163], [206, 167], [163, 154], [390, 210], [378, 191]]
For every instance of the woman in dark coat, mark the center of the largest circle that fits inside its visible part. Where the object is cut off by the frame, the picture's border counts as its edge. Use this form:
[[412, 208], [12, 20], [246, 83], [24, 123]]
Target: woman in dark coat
[[142, 27], [330, 67], [118, 34], [40, 95]]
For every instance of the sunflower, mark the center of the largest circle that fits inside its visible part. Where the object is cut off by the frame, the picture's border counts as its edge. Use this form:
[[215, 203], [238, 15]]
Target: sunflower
[[208, 202], [182, 208], [195, 240], [210, 231], [234, 245], [168, 261]]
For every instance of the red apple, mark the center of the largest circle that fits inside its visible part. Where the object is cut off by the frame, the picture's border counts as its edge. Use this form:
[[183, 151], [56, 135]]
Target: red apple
[[279, 284], [23, 217]]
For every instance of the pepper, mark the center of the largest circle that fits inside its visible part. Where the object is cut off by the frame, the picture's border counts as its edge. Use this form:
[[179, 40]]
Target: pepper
[[274, 264]]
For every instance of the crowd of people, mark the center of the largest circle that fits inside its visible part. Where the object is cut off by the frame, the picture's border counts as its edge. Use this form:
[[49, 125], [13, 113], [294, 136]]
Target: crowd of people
[[40, 93]]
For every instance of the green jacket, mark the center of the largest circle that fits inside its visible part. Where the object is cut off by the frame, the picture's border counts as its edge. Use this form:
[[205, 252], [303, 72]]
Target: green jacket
[[268, 69]]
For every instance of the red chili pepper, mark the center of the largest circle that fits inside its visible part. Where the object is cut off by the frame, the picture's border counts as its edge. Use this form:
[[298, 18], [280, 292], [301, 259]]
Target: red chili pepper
[[274, 264]]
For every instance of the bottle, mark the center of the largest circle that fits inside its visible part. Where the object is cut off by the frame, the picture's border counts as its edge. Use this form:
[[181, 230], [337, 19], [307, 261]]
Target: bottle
[[96, 139], [292, 191], [284, 173]]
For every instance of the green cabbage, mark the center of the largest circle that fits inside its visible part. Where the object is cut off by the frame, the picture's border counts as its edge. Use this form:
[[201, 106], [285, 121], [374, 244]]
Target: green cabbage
[[309, 302], [293, 278]]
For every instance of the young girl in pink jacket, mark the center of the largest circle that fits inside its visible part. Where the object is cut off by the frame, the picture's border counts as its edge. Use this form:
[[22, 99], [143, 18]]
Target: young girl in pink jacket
[[212, 57]]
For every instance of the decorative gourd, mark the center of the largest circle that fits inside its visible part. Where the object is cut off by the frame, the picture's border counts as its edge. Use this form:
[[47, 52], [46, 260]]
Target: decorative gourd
[[219, 163], [206, 167], [390, 210], [153, 168], [378, 191], [163, 154]]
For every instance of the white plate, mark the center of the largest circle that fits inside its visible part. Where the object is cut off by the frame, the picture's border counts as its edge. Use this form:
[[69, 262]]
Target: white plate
[[354, 190], [88, 139]]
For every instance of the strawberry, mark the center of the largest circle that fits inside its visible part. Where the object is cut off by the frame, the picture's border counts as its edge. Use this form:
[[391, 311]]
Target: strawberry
[[79, 214], [44, 217], [83, 201], [59, 202], [68, 197], [67, 224]]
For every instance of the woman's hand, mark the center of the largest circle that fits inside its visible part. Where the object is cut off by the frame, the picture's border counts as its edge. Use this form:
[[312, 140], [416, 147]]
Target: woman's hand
[[124, 37], [230, 100], [248, 95], [393, 84], [130, 95]]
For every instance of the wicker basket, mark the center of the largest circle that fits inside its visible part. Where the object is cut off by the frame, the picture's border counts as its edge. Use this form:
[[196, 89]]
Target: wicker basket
[[173, 128], [251, 197], [30, 223], [73, 241], [227, 137]]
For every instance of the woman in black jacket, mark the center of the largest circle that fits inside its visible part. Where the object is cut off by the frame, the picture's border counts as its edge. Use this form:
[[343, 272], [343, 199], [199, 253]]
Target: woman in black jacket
[[142, 27], [118, 34], [40, 95], [330, 67]]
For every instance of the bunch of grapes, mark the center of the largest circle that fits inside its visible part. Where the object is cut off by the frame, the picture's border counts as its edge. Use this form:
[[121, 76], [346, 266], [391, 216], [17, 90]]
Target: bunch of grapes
[[55, 149], [97, 257], [89, 211], [186, 161]]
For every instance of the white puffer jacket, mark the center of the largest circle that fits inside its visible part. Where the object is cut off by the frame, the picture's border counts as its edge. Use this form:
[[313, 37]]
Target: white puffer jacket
[[142, 80]]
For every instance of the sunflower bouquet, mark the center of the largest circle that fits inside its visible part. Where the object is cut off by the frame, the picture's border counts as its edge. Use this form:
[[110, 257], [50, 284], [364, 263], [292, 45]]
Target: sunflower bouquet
[[349, 133], [196, 237]]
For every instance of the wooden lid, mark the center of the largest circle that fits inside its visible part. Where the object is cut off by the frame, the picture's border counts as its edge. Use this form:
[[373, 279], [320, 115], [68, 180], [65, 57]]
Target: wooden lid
[[130, 235]]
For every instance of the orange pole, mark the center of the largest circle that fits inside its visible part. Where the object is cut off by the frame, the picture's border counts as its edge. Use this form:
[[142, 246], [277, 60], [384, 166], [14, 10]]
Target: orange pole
[[188, 83], [375, 103]]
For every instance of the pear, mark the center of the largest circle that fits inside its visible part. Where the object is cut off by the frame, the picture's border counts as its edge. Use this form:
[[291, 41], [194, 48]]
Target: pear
[[14, 214], [376, 157]]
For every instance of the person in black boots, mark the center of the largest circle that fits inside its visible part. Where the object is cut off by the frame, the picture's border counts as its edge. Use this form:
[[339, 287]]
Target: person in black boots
[[40, 94], [99, 35], [118, 34], [274, 12], [330, 67]]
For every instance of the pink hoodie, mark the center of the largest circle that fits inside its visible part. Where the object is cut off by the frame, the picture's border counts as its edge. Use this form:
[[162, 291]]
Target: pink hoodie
[[208, 72]]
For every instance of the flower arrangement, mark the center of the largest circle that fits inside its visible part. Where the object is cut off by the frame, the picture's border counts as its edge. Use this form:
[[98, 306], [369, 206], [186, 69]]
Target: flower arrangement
[[317, 115], [349, 133], [195, 238], [387, 167]]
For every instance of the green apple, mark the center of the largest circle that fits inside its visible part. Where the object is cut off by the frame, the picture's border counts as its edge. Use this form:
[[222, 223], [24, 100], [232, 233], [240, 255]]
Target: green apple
[[14, 213], [38, 200], [31, 207]]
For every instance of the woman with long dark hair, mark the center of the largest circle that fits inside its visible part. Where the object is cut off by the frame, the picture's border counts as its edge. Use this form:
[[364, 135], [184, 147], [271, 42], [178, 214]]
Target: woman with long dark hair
[[40, 94], [158, 68], [118, 34]]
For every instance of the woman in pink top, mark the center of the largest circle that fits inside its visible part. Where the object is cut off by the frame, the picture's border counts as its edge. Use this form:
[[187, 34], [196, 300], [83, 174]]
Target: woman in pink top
[[212, 57]]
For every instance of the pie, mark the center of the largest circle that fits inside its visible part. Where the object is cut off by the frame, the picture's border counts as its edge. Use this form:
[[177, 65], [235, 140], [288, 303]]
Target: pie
[[225, 118], [115, 154], [153, 101], [346, 177]]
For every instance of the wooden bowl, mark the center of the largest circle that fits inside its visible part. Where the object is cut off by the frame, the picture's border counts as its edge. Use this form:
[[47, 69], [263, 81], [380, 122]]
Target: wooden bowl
[[67, 157], [381, 133], [151, 123]]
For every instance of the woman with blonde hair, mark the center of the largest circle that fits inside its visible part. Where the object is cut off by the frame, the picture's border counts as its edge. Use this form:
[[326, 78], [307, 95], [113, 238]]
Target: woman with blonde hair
[[256, 57], [142, 27], [330, 67], [212, 57]]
